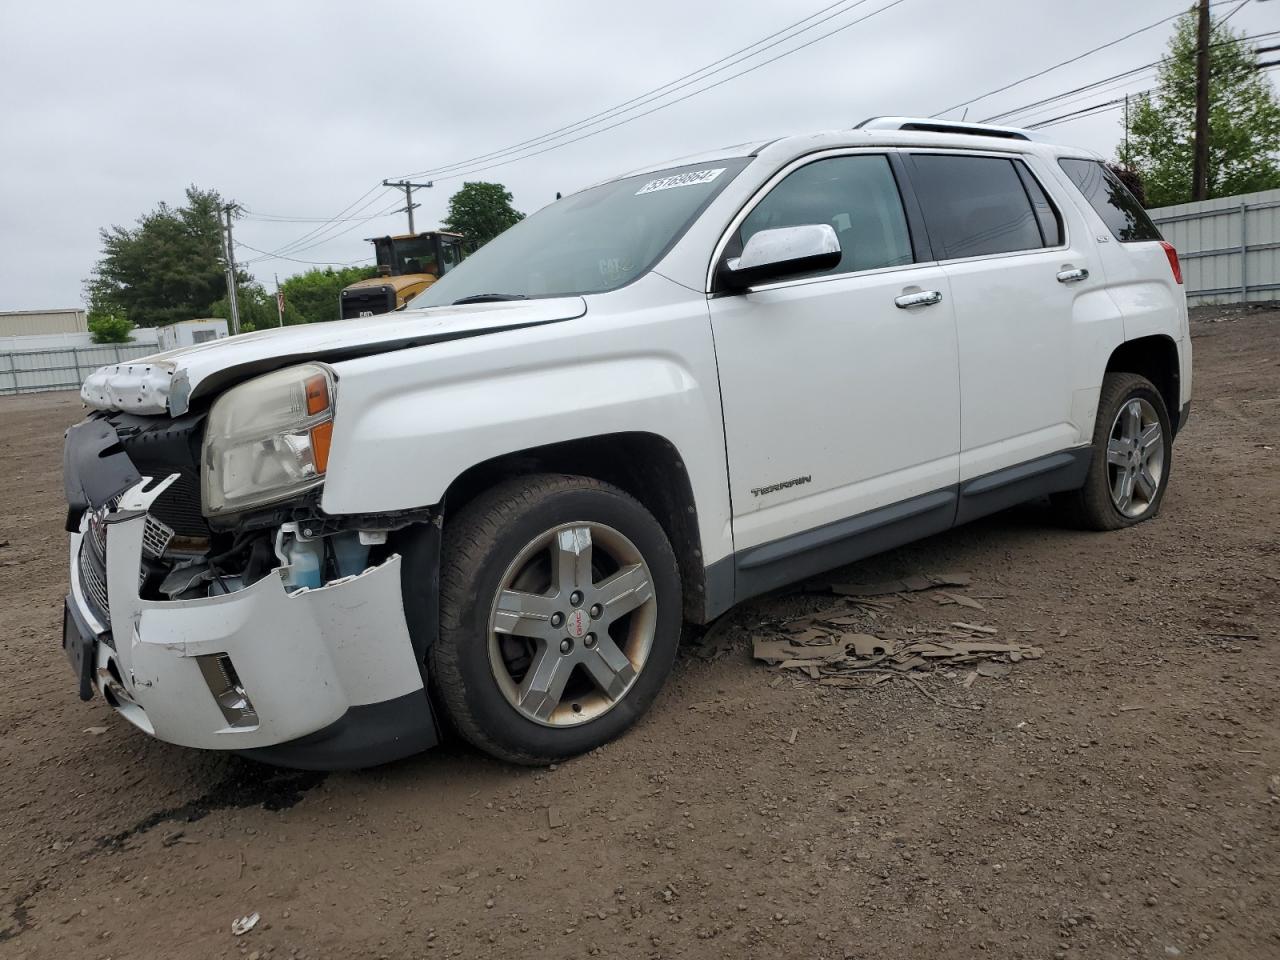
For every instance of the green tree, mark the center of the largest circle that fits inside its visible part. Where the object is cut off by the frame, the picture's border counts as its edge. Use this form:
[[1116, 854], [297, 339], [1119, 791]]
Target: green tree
[[166, 268], [1244, 121], [480, 211], [257, 307], [107, 327], [312, 297]]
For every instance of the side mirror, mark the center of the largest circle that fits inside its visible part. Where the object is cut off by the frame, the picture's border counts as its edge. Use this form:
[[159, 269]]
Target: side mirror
[[780, 253]]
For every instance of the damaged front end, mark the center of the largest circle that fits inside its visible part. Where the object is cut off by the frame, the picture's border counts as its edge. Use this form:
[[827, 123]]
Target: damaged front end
[[279, 631]]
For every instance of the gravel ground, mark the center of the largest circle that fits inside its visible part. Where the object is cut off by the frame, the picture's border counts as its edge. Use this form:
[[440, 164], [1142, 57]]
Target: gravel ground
[[1113, 799]]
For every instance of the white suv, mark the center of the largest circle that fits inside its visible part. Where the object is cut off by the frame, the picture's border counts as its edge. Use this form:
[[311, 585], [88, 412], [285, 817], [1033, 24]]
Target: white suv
[[647, 402]]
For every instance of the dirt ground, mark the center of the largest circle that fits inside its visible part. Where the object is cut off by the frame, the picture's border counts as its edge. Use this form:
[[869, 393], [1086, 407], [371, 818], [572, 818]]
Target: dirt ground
[[1113, 799]]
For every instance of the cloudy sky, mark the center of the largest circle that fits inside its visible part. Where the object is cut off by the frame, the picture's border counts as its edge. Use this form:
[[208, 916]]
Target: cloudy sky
[[297, 109]]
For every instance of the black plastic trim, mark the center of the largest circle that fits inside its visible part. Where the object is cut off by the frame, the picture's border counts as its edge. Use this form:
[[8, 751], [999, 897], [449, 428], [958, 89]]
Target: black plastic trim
[[1183, 416], [719, 579], [917, 229], [796, 557], [364, 736], [95, 468], [79, 643], [419, 549], [801, 555], [1055, 473]]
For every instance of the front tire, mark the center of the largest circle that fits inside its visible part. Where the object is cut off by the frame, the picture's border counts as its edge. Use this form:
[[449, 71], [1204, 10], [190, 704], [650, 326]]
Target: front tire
[[1132, 457], [560, 615]]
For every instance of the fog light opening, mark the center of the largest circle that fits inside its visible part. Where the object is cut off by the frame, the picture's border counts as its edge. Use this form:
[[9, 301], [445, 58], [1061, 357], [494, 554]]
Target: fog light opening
[[227, 690]]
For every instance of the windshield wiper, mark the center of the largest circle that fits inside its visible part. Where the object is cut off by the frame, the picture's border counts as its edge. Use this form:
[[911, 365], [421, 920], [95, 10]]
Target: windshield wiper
[[489, 298]]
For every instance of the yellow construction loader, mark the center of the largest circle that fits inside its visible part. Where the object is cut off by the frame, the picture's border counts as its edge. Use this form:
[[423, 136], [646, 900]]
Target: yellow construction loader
[[407, 265]]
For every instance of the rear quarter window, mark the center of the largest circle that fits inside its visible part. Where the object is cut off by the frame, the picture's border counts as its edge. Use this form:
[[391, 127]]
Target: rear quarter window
[[1111, 199], [979, 206]]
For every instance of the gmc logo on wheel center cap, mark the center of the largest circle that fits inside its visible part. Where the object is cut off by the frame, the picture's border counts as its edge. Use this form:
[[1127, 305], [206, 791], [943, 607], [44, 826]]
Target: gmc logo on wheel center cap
[[577, 624]]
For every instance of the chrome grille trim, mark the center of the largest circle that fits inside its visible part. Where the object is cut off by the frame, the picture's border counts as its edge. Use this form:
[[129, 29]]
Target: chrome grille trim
[[93, 582], [155, 538]]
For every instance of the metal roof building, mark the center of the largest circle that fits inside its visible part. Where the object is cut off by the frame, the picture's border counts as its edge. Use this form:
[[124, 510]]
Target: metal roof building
[[30, 323]]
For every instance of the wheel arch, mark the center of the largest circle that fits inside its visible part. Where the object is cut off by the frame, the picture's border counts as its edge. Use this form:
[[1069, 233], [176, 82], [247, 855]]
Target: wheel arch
[[645, 465], [1156, 358]]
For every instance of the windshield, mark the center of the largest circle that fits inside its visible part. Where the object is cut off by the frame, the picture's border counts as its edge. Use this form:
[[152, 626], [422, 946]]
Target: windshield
[[590, 242], [405, 255]]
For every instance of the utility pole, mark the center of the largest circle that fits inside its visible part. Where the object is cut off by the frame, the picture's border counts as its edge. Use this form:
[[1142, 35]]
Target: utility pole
[[1126, 128], [408, 189], [229, 247], [279, 301], [1200, 163]]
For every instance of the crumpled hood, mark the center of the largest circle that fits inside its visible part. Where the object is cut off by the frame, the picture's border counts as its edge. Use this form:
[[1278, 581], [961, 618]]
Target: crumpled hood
[[168, 382]]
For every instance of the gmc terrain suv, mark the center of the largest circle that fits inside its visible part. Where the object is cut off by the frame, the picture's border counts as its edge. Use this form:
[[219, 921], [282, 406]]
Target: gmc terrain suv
[[647, 402]]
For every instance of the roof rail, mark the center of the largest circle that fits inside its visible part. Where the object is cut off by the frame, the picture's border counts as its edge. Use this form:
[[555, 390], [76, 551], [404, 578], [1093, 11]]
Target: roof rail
[[929, 125]]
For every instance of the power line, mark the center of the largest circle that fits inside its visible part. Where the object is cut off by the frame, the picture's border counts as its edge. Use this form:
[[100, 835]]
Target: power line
[[317, 263], [352, 208], [1004, 116], [671, 103], [1063, 63], [1034, 116], [1001, 117], [325, 230], [281, 218], [1113, 104], [283, 252], [1095, 108], [658, 92], [1227, 16], [328, 230]]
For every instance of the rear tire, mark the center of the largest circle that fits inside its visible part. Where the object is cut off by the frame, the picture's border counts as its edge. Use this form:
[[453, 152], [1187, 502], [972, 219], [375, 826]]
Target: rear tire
[[1132, 458], [560, 615]]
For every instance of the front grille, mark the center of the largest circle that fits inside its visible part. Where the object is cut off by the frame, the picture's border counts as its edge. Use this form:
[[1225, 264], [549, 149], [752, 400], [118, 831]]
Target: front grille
[[92, 560], [179, 508], [93, 580]]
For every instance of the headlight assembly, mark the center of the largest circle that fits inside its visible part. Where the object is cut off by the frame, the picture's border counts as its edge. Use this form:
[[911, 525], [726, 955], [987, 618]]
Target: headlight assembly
[[268, 439]]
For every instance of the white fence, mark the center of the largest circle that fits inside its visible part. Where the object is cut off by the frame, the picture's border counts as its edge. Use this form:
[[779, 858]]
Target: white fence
[[34, 371], [1229, 248]]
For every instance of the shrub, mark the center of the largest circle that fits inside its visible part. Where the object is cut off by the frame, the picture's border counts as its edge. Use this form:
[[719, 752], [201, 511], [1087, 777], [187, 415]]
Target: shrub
[[109, 328]]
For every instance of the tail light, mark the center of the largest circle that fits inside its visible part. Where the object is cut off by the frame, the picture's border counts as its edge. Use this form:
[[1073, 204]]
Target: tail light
[[1172, 254]]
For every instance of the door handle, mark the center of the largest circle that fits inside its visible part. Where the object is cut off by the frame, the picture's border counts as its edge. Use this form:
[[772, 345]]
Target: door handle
[[1071, 276], [925, 298]]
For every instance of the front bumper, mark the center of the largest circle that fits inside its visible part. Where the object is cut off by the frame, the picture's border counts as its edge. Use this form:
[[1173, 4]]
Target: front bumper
[[331, 673]]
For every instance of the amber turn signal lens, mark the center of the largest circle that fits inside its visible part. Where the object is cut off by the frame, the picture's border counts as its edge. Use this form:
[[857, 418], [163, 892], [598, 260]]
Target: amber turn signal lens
[[317, 394], [321, 436]]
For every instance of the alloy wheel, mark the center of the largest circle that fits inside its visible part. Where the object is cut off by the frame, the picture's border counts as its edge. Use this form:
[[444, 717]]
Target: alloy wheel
[[572, 624], [1135, 457]]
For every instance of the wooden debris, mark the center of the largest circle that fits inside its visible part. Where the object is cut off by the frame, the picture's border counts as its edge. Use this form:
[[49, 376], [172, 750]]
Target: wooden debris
[[974, 627], [825, 647], [912, 584], [958, 598]]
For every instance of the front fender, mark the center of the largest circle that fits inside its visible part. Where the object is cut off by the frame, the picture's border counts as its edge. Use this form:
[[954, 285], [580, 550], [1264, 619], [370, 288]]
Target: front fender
[[408, 423]]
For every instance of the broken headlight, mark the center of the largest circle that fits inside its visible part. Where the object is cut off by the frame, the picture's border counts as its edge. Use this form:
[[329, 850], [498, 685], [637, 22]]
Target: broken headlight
[[268, 439]]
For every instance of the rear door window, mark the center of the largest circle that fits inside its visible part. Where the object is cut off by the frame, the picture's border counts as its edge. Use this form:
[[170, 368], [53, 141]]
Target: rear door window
[[856, 195], [1118, 208], [977, 206]]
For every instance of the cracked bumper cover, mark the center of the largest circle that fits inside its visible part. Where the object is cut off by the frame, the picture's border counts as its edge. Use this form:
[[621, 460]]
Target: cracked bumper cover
[[332, 672]]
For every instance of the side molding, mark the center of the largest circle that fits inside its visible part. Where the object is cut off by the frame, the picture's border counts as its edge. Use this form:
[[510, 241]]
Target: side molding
[[1055, 473], [796, 557], [801, 555]]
